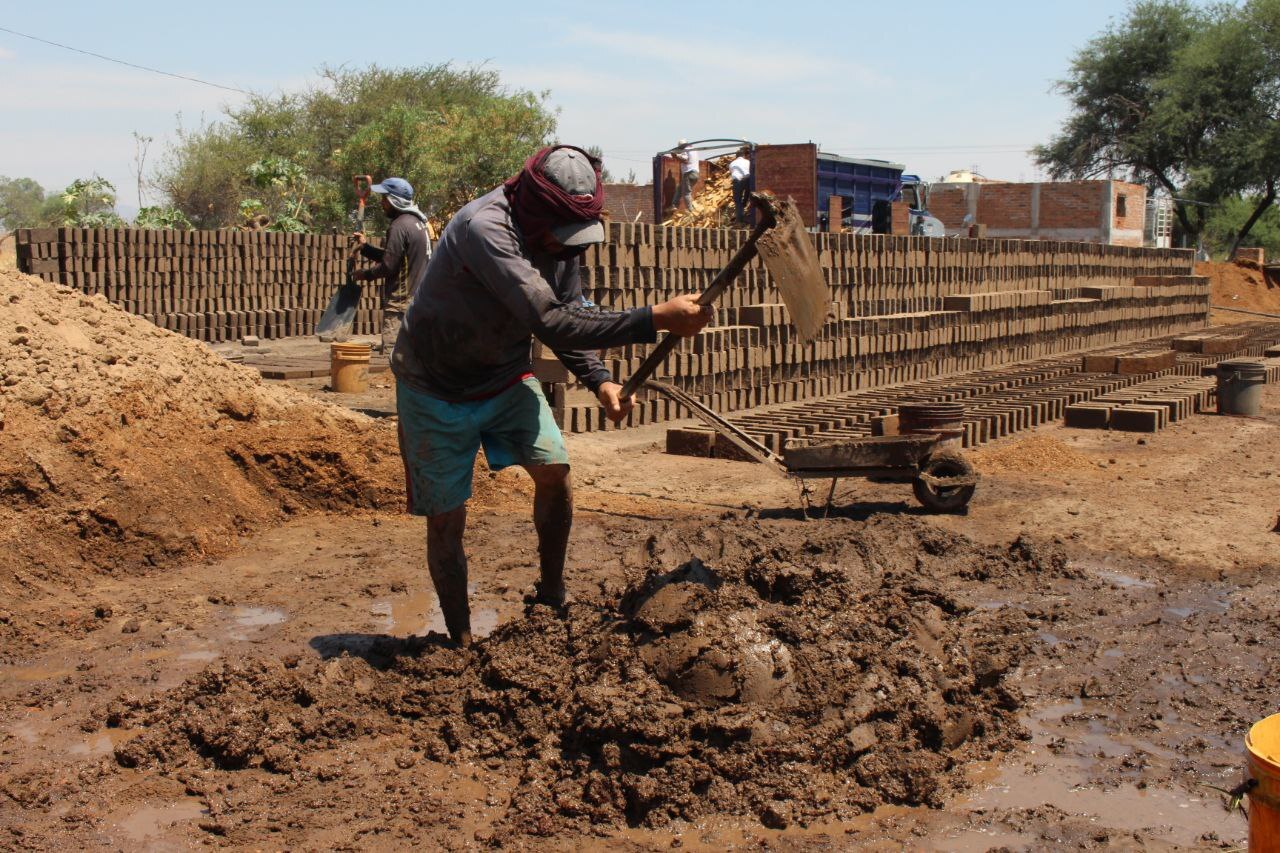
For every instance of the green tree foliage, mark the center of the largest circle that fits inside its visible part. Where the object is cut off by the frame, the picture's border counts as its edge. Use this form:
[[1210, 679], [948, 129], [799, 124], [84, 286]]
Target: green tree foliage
[[1226, 220], [158, 216], [1181, 97], [1114, 87], [452, 132], [85, 203], [21, 202]]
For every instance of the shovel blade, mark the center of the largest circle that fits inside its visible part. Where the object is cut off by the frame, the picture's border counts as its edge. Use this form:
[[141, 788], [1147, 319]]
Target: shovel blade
[[788, 253]]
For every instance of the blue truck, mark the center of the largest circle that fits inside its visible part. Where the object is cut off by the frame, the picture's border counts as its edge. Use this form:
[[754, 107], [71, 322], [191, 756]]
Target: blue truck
[[867, 189]]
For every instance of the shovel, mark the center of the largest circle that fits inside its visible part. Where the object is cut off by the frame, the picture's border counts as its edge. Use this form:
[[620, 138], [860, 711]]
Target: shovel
[[782, 243], [335, 323]]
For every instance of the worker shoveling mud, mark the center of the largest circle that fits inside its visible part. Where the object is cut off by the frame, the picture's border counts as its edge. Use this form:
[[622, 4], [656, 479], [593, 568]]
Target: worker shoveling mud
[[793, 674]]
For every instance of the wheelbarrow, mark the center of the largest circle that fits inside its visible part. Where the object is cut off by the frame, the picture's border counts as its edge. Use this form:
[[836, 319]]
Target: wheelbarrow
[[940, 477]]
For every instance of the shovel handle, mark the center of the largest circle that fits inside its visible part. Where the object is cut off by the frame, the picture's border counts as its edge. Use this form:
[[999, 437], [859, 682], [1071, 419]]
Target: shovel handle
[[719, 284]]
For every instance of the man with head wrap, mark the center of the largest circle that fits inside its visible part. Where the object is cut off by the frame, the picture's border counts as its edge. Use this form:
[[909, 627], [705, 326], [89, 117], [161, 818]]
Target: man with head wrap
[[408, 244], [506, 270]]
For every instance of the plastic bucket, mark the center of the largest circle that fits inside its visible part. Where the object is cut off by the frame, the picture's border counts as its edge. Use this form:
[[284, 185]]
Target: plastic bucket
[[945, 419], [349, 368], [1262, 750], [1240, 384]]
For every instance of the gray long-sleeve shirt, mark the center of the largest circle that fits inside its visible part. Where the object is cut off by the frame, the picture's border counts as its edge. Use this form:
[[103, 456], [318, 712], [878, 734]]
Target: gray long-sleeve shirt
[[407, 244], [469, 327]]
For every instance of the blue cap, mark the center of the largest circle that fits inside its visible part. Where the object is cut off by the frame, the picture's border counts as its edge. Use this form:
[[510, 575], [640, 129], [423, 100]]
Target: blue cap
[[396, 187]]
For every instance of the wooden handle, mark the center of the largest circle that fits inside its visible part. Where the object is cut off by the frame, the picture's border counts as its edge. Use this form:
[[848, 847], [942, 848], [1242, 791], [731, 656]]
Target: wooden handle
[[719, 284]]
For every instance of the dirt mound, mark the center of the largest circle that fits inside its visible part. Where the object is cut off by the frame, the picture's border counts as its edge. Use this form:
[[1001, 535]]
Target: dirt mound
[[789, 676], [1241, 284], [126, 446], [1038, 454]]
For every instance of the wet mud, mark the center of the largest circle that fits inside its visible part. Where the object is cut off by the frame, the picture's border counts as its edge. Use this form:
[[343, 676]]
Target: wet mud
[[790, 684]]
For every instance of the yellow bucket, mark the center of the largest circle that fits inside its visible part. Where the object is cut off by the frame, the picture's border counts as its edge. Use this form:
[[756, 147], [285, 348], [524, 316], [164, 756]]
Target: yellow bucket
[[349, 368], [1262, 746]]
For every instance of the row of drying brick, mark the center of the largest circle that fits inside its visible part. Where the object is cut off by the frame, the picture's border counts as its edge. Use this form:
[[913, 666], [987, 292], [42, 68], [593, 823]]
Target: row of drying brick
[[1151, 406], [744, 366], [998, 402], [209, 285]]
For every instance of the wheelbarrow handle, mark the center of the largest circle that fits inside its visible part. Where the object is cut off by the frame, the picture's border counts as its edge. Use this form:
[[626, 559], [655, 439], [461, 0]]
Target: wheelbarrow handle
[[718, 285]]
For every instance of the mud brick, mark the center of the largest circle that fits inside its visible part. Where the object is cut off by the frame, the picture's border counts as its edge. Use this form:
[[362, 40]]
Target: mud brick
[[884, 425], [1088, 416], [690, 441], [1223, 344], [1151, 362], [725, 449], [1139, 418], [1098, 363]]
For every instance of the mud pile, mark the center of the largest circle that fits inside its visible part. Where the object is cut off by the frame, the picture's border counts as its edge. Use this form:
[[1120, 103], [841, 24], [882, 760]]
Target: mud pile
[[1241, 284], [125, 446], [792, 677]]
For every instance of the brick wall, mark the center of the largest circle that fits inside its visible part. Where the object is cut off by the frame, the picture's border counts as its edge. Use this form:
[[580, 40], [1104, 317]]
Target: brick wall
[[1129, 211], [625, 202], [1072, 204], [949, 203], [790, 170], [1004, 206]]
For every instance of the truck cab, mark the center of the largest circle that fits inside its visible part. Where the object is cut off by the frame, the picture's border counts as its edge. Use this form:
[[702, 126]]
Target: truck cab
[[915, 193]]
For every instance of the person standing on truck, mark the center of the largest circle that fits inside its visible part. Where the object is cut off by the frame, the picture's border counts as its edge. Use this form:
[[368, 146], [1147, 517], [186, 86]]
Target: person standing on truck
[[689, 174], [740, 176], [507, 270], [408, 246]]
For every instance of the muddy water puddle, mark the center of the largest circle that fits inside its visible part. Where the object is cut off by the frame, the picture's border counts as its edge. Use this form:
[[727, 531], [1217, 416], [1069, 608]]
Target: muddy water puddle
[[416, 613], [149, 824], [1061, 769]]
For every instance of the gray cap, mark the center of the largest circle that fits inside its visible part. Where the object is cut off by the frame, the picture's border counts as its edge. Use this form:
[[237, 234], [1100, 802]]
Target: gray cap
[[572, 172]]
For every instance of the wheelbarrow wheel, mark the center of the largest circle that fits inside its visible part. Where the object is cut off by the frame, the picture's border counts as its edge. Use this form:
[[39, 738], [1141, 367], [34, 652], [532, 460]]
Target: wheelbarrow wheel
[[944, 498]]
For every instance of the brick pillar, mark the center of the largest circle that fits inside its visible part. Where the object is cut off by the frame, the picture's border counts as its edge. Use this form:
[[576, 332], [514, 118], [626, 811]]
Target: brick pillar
[[835, 214]]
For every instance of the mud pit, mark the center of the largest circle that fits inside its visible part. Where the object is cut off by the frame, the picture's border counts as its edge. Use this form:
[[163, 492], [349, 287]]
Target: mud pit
[[792, 688]]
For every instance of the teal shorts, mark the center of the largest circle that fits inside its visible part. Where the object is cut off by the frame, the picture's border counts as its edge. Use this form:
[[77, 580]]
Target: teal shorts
[[439, 440]]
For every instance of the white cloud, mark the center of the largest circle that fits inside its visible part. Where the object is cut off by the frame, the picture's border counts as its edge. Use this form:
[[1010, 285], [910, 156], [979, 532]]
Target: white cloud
[[748, 64], [5, 53]]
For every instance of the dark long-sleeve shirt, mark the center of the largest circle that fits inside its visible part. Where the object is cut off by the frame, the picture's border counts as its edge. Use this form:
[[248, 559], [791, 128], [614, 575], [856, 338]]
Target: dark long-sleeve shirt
[[407, 244], [469, 327]]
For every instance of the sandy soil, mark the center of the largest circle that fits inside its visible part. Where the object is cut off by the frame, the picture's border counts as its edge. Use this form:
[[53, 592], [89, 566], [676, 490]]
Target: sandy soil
[[1071, 664], [1242, 285]]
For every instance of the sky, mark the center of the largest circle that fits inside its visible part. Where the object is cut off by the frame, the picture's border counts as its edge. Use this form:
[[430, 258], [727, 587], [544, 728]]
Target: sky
[[935, 86]]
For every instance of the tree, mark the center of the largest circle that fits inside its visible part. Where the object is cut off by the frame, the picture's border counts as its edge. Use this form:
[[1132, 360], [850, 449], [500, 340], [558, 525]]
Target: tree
[[1181, 97], [452, 132], [1115, 89], [1227, 78], [85, 203], [21, 200], [1226, 222], [606, 177]]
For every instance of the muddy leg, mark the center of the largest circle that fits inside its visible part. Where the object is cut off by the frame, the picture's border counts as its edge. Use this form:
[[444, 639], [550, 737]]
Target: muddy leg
[[448, 565], [553, 518]]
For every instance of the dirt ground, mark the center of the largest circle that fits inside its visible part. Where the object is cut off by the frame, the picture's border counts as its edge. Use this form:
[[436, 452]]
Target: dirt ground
[[1241, 285], [1070, 665]]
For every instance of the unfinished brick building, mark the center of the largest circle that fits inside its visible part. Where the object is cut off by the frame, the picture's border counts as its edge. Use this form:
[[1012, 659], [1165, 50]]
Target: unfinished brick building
[[1111, 212]]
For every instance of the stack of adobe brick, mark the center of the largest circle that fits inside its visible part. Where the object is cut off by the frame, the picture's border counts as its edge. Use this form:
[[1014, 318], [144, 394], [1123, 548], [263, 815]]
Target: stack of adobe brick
[[209, 285], [903, 309]]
